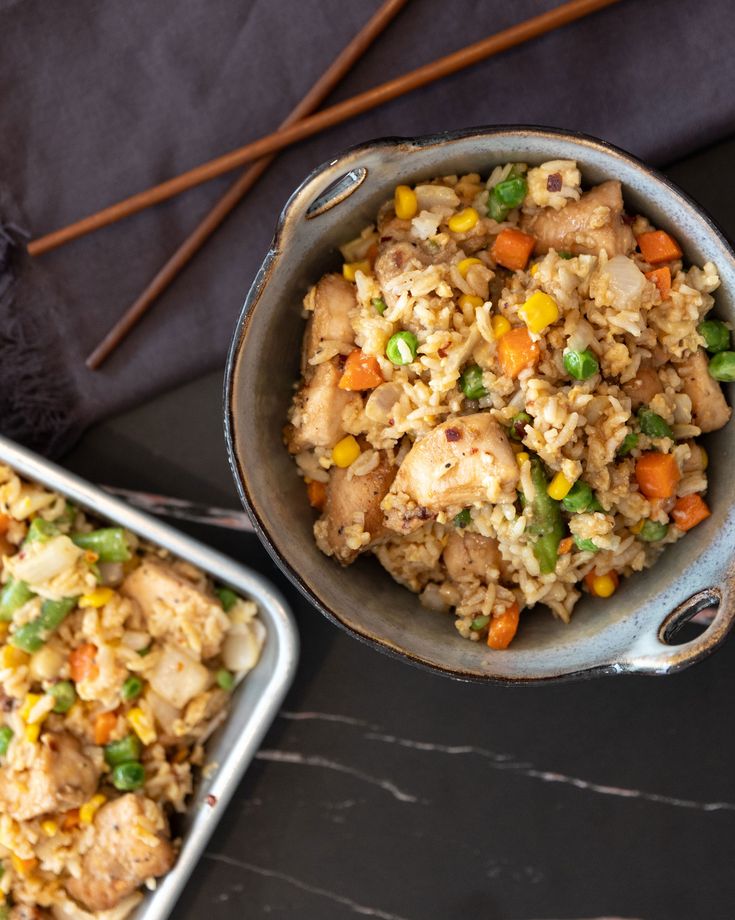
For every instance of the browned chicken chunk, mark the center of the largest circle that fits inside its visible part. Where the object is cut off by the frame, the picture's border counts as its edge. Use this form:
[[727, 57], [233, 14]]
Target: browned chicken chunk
[[589, 225], [359, 495], [643, 387], [59, 777], [127, 850], [394, 259], [319, 408], [710, 411], [460, 462], [333, 300], [468, 556], [177, 609]]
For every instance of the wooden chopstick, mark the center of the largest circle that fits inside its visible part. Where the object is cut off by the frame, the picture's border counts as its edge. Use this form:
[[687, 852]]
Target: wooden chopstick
[[326, 118], [337, 70]]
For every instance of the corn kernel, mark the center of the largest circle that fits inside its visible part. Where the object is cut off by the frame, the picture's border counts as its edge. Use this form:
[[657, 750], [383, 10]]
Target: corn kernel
[[603, 586], [705, 459], [97, 598], [30, 701], [350, 269], [637, 528], [500, 326], [405, 202], [50, 828], [345, 452], [142, 725], [12, 657], [32, 732], [23, 866], [539, 311], [522, 458], [90, 808], [559, 487], [464, 266], [470, 300], [533, 270], [464, 221]]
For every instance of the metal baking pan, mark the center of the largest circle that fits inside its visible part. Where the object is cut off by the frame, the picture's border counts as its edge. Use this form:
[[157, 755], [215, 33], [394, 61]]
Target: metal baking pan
[[255, 702]]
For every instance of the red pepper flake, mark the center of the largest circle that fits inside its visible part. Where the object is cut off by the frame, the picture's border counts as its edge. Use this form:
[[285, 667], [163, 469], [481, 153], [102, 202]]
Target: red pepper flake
[[554, 183], [452, 434], [391, 422], [211, 800]]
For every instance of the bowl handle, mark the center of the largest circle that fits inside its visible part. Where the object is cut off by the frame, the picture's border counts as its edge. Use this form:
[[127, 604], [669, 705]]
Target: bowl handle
[[653, 654]]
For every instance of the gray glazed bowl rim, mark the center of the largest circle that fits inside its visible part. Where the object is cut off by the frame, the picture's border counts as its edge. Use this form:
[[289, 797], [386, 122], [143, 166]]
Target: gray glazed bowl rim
[[692, 652]]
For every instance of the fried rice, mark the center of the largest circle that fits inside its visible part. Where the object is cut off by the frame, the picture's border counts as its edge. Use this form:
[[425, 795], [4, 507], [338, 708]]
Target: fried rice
[[117, 662], [501, 394]]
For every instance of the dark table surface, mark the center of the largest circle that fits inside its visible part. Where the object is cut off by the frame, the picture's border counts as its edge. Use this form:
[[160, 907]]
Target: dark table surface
[[385, 791]]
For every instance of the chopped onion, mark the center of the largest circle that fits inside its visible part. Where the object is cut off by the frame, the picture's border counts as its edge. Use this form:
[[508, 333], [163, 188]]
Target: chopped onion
[[626, 280], [381, 402], [242, 647], [178, 678], [111, 573], [430, 197], [163, 712], [39, 562]]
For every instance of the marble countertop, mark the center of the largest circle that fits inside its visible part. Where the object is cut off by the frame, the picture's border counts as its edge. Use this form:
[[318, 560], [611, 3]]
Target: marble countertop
[[385, 791]]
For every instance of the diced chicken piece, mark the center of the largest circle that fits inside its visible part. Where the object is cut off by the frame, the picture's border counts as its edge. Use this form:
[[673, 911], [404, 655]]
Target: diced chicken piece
[[178, 678], [318, 410], [177, 609], [130, 845], [710, 411], [333, 298], [589, 225], [460, 462], [643, 387], [347, 497], [394, 259], [59, 777], [468, 556]]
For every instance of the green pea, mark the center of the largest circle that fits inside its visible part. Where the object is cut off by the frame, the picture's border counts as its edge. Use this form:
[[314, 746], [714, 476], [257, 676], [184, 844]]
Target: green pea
[[128, 777], [722, 366], [629, 442], [581, 364], [65, 695], [496, 209], [401, 348], [479, 623], [518, 425], [652, 531], [565, 255], [511, 192], [380, 305], [715, 334], [131, 689], [462, 519], [653, 425], [6, 736], [471, 382], [588, 546], [225, 679], [579, 498], [145, 651], [227, 598], [125, 750]]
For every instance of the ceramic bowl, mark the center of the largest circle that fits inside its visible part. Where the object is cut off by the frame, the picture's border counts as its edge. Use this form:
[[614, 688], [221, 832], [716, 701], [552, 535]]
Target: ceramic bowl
[[630, 632]]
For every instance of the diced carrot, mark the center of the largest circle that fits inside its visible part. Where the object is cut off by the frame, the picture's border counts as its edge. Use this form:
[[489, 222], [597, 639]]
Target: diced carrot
[[657, 246], [661, 277], [512, 248], [70, 819], [104, 725], [657, 474], [503, 627], [4, 523], [23, 866], [362, 372], [316, 493], [82, 664], [689, 511], [517, 351], [565, 546], [372, 253]]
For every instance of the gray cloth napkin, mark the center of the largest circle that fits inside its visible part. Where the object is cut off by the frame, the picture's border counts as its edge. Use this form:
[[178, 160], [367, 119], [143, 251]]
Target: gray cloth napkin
[[102, 99]]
